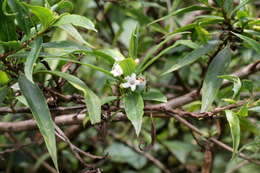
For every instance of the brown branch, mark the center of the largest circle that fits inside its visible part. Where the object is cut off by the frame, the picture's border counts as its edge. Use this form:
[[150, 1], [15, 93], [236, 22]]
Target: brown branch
[[75, 118], [208, 158], [31, 124]]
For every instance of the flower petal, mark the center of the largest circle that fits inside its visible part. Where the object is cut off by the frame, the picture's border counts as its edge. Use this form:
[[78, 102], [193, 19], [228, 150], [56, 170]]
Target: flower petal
[[133, 87], [125, 85]]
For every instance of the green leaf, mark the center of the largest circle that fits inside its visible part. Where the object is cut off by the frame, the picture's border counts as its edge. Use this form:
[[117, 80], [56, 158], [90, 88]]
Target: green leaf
[[32, 57], [4, 78], [192, 57], [45, 15], [133, 46], [128, 66], [63, 6], [181, 150], [242, 4], [71, 30], [126, 155], [164, 51], [243, 111], [209, 19], [92, 101], [65, 48], [247, 125], [233, 122], [108, 99], [203, 34], [212, 83], [22, 100], [21, 14], [134, 105], [236, 83], [154, 95], [76, 20], [203, 1], [182, 11], [248, 85], [255, 109], [3, 93], [228, 6], [7, 27], [111, 55], [41, 114], [11, 44], [156, 48], [84, 64], [219, 3], [72, 46], [251, 42], [188, 43]]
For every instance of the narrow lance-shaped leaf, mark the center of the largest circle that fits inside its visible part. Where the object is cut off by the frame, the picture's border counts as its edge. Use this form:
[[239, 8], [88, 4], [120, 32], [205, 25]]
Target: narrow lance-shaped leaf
[[234, 125], [187, 43], [7, 27], [74, 33], [193, 56], [63, 6], [3, 93], [41, 114], [32, 57], [182, 11], [248, 125], [76, 20], [156, 48], [22, 15], [133, 46], [252, 43], [212, 83], [236, 83], [242, 4], [92, 101], [228, 6], [134, 105], [45, 15], [10, 44], [84, 64]]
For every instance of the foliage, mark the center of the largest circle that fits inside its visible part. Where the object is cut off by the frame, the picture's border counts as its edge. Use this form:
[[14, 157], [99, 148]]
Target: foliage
[[129, 86]]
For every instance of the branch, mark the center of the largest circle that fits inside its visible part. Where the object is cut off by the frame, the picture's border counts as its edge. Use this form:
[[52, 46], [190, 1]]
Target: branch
[[31, 124]]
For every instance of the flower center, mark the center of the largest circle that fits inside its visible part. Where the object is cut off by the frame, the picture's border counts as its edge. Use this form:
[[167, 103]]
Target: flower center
[[132, 82]]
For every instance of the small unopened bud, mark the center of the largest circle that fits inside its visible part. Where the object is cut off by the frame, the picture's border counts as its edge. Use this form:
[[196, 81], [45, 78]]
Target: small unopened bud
[[137, 61]]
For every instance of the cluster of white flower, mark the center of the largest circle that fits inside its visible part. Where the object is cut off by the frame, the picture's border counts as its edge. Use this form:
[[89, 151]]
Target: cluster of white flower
[[131, 81]]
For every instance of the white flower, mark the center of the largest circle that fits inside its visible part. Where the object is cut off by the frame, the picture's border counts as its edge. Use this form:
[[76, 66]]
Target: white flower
[[131, 82], [15, 87], [116, 70]]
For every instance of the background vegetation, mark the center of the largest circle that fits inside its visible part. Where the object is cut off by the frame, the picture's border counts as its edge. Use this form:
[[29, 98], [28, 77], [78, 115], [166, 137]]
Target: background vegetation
[[129, 86]]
